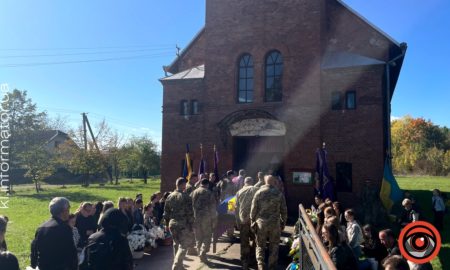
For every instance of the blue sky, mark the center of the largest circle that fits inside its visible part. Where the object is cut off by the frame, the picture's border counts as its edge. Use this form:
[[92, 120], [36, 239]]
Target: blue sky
[[144, 33]]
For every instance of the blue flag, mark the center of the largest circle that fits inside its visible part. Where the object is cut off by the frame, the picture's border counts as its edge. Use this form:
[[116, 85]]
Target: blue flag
[[326, 186], [187, 168], [390, 192]]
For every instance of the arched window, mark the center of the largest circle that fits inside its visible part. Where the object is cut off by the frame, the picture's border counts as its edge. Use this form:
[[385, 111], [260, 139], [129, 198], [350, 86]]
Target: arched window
[[274, 72], [184, 110], [245, 82]]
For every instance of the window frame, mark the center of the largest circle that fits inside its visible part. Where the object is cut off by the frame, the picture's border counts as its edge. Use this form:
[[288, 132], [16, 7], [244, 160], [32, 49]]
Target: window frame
[[184, 107], [347, 94], [340, 184], [277, 92], [334, 106], [245, 65], [194, 107]]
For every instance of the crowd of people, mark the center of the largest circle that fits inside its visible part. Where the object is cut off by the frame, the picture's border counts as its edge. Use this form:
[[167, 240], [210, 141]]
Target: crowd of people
[[94, 237], [352, 246], [260, 215]]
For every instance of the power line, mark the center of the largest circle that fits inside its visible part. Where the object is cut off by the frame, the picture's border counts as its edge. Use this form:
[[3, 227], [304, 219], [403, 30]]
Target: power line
[[84, 61], [96, 116], [88, 48], [84, 53]]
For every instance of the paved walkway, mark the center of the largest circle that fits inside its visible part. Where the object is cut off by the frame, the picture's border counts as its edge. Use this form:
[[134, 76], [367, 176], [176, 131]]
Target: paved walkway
[[226, 257]]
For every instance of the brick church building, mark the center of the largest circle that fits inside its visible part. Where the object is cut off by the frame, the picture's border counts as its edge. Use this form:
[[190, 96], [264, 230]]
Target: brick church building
[[269, 81]]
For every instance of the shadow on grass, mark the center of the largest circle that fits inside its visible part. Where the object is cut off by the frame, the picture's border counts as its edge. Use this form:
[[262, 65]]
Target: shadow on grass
[[70, 195]]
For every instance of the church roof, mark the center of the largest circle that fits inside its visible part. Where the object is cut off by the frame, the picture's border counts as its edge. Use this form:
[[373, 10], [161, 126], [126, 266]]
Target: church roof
[[369, 23], [346, 59], [174, 63], [197, 72]]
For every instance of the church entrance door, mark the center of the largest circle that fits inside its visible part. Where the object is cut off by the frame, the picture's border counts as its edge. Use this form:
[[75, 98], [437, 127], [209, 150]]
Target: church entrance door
[[255, 153]]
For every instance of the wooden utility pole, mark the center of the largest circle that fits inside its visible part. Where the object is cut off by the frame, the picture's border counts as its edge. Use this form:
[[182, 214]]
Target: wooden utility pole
[[84, 131], [86, 123]]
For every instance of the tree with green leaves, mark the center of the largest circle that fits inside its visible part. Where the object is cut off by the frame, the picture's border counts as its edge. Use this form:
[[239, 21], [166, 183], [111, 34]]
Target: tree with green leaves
[[24, 121], [79, 161], [148, 156], [114, 155], [128, 161], [140, 155], [419, 146], [39, 164]]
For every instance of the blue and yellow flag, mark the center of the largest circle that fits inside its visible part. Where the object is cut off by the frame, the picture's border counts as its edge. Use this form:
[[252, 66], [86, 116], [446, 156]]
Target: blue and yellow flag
[[187, 168], [228, 206], [390, 192]]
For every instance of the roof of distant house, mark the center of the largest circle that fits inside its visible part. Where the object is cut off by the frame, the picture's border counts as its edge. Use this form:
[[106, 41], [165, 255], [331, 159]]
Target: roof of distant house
[[47, 135]]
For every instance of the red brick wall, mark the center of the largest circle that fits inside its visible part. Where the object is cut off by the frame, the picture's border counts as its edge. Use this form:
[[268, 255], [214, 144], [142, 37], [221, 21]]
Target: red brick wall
[[301, 31], [193, 55]]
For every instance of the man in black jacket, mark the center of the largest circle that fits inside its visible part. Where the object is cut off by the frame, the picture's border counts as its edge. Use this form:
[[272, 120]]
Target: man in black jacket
[[108, 248], [53, 247], [387, 238]]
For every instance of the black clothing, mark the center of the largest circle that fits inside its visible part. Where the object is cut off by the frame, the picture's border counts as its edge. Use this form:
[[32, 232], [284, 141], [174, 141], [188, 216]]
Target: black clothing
[[3, 246], [407, 216], [129, 215], [138, 217], [53, 247], [83, 225], [342, 220], [343, 257], [439, 220], [394, 251], [374, 249], [8, 261], [108, 249], [158, 211]]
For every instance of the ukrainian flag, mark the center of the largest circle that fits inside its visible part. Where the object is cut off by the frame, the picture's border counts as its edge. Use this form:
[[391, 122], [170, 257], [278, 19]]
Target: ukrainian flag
[[390, 192], [228, 206], [187, 168]]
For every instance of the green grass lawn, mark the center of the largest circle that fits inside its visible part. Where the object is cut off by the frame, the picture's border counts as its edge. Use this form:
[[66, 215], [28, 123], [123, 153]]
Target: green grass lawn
[[27, 209], [421, 188]]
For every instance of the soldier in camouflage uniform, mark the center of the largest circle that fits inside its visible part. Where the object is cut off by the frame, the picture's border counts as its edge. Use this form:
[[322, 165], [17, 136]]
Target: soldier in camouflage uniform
[[179, 218], [260, 180], [204, 206], [191, 184], [268, 210], [226, 186], [244, 199]]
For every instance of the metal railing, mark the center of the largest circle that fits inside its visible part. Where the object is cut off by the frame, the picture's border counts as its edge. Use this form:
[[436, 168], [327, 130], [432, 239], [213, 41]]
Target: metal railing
[[312, 252]]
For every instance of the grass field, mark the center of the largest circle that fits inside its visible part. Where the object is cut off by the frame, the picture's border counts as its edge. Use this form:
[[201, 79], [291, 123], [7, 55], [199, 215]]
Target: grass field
[[421, 188], [27, 209]]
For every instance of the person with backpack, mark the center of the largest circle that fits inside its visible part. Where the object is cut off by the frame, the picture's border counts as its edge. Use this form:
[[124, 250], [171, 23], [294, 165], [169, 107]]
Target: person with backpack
[[108, 248], [438, 209]]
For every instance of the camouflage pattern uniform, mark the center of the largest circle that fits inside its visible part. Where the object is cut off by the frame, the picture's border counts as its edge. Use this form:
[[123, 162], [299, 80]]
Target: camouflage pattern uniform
[[178, 213], [226, 189], [259, 184], [203, 203], [244, 199], [268, 207], [190, 188]]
